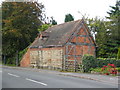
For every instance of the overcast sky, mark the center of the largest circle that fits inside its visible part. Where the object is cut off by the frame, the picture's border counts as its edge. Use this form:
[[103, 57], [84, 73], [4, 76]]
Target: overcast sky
[[92, 8]]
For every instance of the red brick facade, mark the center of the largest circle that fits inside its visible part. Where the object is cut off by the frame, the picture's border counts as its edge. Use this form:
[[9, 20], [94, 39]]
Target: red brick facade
[[79, 44], [25, 62]]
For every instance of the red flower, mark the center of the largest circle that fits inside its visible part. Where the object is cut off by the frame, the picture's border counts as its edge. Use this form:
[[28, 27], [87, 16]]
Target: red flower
[[104, 66], [114, 72], [111, 65], [109, 69]]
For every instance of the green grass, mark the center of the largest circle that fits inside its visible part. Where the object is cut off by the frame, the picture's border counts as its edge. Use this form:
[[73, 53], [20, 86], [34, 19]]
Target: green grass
[[96, 69], [9, 64]]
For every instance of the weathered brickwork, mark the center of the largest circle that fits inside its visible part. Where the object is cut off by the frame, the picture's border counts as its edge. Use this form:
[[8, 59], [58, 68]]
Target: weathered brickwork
[[47, 57], [82, 44], [55, 53], [25, 62]]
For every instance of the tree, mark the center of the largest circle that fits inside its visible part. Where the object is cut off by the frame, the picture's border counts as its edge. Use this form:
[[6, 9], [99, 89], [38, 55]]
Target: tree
[[114, 27], [20, 21], [53, 22], [98, 28], [118, 54], [106, 33], [68, 18], [44, 27]]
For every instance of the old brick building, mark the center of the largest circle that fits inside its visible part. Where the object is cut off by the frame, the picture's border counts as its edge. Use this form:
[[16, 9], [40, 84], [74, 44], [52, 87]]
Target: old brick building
[[60, 46]]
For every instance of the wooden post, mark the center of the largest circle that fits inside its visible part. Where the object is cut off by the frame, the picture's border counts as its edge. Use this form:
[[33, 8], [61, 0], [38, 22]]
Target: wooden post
[[66, 57]]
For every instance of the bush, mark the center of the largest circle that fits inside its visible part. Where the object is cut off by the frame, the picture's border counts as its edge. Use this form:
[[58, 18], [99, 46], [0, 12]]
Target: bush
[[118, 69], [88, 62], [109, 69], [105, 61], [80, 67], [11, 60], [118, 54], [96, 69]]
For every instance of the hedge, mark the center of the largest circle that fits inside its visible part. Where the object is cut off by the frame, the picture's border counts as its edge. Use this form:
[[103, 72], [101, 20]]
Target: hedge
[[88, 62], [102, 61]]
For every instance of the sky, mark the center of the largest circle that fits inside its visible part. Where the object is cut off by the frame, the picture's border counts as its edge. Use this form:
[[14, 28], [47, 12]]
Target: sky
[[78, 8]]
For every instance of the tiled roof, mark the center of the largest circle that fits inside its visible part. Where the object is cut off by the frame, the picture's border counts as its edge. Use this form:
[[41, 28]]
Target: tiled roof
[[57, 35]]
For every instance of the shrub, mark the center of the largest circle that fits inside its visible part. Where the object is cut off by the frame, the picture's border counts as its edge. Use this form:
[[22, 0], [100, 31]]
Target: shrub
[[118, 54], [11, 60], [88, 62], [96, 70], [105, 61], [80, 67], [118, 69], [109, 69]]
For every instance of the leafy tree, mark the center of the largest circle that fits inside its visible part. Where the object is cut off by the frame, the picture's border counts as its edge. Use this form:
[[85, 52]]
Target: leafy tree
[[20, 21], [114, 27], [53, 22], [98, 29], [68, 18], [106, 33], [114, 17], [44, 27]]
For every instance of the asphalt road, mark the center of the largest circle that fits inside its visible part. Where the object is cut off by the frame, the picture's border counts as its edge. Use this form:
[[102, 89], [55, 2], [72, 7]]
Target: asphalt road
[[20, 78]]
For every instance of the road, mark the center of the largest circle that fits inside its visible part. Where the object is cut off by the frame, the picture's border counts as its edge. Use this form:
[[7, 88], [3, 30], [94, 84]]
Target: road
[[20, 78]]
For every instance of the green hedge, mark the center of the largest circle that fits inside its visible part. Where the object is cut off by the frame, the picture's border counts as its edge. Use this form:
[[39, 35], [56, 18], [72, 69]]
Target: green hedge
[[88, 62], [118, 54], [98, 69], [118, 69], [104, 61], [11, 61]]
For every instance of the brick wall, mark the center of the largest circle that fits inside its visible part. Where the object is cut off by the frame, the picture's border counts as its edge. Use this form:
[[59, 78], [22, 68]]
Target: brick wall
[[46, 57], [25, 62], [84, 45], [55, 57]]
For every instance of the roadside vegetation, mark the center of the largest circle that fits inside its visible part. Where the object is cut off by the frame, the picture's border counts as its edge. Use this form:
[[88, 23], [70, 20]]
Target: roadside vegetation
[[100, 66], [106, 34], [21, 22]]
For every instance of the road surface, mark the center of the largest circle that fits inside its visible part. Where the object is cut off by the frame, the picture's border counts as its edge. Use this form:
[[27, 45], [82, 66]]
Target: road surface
[[21, 78]]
